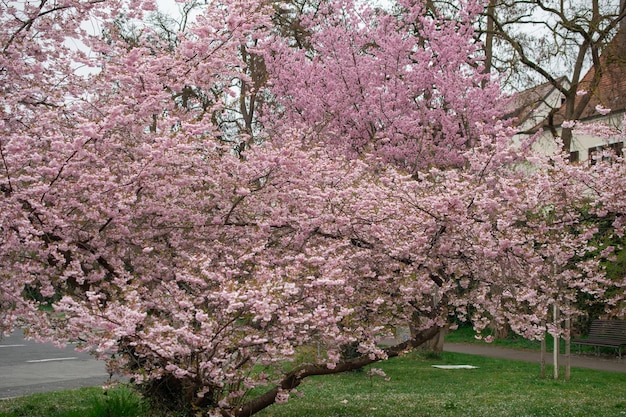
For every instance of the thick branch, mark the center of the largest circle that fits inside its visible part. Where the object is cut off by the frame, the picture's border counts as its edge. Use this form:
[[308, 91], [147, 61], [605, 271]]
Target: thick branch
[[295, 377]]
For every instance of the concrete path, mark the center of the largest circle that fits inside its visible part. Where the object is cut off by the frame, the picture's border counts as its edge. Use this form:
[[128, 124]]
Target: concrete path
[[611, 364]]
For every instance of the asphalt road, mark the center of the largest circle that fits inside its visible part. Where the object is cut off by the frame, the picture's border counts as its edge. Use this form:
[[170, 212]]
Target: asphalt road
[[27, 367]]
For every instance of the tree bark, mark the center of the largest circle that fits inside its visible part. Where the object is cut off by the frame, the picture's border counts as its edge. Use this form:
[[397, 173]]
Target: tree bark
[[491, 9]]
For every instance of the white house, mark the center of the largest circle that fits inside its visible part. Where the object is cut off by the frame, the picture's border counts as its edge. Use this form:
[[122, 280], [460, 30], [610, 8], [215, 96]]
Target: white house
[[532, 107]]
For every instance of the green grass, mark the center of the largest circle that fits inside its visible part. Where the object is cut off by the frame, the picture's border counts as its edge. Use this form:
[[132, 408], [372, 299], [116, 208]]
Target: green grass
[[497, 388], [466, 335], [84, 402]]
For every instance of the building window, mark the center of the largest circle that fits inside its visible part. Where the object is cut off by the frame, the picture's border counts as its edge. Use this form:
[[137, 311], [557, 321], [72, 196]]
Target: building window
[[574, 156], [596, 151]]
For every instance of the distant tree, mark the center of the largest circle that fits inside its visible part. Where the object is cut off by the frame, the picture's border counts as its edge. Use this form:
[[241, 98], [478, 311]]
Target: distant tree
[[532, 42]]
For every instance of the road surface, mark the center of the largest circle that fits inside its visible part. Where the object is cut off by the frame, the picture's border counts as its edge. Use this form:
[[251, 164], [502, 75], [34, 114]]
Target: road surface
[[27, 367]]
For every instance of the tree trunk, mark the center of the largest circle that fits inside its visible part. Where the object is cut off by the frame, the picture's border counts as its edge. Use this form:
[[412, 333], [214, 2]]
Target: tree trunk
[[491, 9], [555, 352], [435, 345]]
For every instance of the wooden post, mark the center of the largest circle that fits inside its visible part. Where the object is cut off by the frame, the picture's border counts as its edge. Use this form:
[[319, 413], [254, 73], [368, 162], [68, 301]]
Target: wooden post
[[543, 355], [555, 353], [568, 338]]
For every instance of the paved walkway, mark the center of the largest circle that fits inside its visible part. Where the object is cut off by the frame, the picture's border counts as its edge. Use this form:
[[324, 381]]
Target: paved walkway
[[577, 361]]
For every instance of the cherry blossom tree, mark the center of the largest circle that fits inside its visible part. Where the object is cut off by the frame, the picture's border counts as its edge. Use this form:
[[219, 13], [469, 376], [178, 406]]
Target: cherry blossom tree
[[199, 257], [404, 84]]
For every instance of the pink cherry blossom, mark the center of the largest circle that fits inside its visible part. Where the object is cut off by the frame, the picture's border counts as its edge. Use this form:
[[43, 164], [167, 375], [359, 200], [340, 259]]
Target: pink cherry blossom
[[209, 202]]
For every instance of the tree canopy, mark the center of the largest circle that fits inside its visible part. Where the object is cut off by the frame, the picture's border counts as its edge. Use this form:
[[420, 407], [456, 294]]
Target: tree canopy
[[195, 203]]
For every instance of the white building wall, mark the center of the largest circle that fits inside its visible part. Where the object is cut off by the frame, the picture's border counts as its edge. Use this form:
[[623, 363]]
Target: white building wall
[[582, 143]]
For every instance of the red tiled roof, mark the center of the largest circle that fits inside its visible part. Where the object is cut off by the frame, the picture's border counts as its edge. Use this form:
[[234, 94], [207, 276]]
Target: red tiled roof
[[522, 103]]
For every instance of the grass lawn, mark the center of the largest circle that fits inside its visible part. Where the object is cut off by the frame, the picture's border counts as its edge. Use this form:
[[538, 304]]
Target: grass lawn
[[466, 335], [83, 402], [496, 388], [416, 389]]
